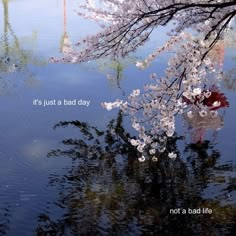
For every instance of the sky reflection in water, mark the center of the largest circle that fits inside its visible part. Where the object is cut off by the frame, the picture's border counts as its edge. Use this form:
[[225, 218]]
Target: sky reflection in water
[[70, 170]]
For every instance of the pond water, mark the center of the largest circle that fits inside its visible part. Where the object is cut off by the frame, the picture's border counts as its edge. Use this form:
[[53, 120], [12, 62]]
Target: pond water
[[69, 169]]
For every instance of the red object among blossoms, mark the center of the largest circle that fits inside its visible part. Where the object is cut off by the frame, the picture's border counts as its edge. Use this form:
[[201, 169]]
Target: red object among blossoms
[[216, 96]]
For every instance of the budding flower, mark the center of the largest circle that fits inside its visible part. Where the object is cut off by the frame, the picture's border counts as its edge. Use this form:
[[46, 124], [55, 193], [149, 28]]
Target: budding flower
[[197, 91], [152, 151], [140, 65], [107, 105], [134, 142], [216, 103], [170, 132], [203, 113], [172, 155], [207, 94], [153, 76], [190, 114], [141, 159], [154, 159]]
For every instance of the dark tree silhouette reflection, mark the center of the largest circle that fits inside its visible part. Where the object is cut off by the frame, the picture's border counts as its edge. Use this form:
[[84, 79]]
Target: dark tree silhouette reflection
[[5, 216], [106, 191]]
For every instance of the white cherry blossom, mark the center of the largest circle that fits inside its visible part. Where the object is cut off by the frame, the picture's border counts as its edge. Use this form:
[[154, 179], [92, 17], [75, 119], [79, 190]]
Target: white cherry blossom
[[125, 26], [172, 155]]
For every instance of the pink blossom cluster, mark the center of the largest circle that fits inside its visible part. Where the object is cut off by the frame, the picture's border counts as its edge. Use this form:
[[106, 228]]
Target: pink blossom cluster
[[153, 110], [127, 25]]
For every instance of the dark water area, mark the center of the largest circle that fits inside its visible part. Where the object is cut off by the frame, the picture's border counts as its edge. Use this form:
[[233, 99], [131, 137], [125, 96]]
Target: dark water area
[[70, 170]]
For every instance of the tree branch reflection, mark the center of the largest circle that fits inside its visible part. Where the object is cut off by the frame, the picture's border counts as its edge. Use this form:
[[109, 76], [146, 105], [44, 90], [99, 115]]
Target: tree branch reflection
[[107, 191], [14, 59]]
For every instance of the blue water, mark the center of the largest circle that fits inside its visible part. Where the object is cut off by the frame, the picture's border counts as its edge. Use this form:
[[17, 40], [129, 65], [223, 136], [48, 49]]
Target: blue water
[[69, 170]]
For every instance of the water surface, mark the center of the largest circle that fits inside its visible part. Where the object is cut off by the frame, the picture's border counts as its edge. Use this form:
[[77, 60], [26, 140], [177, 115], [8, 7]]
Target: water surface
[[69, 170]]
